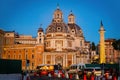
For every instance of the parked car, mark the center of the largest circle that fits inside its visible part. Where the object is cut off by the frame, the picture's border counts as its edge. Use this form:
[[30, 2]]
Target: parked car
[[95, 70]]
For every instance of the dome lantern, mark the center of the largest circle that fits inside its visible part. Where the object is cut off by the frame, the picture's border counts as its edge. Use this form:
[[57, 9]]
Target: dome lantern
[[71, 18], [58, 16]]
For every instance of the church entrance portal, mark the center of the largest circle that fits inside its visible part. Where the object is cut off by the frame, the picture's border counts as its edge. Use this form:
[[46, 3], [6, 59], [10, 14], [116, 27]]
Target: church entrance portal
[[59, 60]]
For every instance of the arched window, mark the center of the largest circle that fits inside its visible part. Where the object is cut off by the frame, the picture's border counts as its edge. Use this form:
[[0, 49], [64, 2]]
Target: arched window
[[8, 56], [40, 40], [32, 56], [80, 43], [57, 15], [70, 19], [19, 56]]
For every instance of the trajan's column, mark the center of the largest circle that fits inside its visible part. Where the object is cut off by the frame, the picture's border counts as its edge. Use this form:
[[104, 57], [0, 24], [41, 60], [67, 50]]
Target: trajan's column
[[102, 44]]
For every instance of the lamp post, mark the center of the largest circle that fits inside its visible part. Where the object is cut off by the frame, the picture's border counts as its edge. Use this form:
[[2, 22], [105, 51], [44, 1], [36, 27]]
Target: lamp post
[[103, 64]]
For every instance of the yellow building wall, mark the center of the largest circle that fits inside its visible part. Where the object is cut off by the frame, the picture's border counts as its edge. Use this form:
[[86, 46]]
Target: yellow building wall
[[1, 42], [19, 52]]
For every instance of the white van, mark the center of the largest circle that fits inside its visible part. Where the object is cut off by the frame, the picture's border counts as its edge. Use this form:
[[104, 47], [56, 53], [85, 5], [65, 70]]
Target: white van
[[74, 68]]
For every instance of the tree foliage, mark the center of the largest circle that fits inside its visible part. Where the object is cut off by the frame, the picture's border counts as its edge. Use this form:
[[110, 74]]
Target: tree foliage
[[93, 47], [116, 44]]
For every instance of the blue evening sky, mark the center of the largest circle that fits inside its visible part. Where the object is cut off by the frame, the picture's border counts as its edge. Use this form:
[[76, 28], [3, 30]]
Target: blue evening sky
[[25, 16]]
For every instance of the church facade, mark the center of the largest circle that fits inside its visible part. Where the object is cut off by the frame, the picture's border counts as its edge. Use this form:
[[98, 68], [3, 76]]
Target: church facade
[[64, 42]]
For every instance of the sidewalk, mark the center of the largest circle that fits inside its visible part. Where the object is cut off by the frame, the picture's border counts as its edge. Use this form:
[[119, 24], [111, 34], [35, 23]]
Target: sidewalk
[[10, 76]]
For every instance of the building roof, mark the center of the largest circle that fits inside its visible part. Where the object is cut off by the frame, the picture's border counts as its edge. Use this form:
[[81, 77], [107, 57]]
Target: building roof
[[57, 27], [110, 40], [76, 28], [40, 29]]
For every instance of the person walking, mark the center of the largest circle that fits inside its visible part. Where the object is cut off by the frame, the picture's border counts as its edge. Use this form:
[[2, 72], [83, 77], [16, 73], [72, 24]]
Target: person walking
[[66, 75], [49, 75]]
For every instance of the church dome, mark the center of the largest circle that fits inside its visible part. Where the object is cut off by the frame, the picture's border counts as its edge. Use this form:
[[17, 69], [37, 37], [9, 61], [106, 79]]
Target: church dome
[[74, 28], [57, 24], [57, 27], [40, 29]]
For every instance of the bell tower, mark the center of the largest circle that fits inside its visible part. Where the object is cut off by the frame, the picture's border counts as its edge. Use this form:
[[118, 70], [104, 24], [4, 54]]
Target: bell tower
[[102, 44], [40, 37], [71, 18]]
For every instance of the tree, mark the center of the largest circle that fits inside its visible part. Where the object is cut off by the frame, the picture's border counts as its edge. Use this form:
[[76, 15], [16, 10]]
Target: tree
[[93, 47], [94, 57], [116, 44]]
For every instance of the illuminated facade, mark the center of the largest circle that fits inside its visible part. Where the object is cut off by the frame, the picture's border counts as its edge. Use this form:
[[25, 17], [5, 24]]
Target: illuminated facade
[[64, 43], [111, 55], [110, 52], [61, 43], [1, 42], [22, 47]]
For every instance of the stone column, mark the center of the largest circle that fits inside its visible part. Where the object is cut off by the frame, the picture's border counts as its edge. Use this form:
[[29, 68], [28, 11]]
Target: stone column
[[51, 62], [54, 58], [43, 59], [72, 59], [66, 60], [102, 44]]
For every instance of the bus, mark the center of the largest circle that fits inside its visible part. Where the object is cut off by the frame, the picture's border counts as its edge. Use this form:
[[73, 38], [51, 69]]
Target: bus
[[75, 68], [47, 67], [44, 69]]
